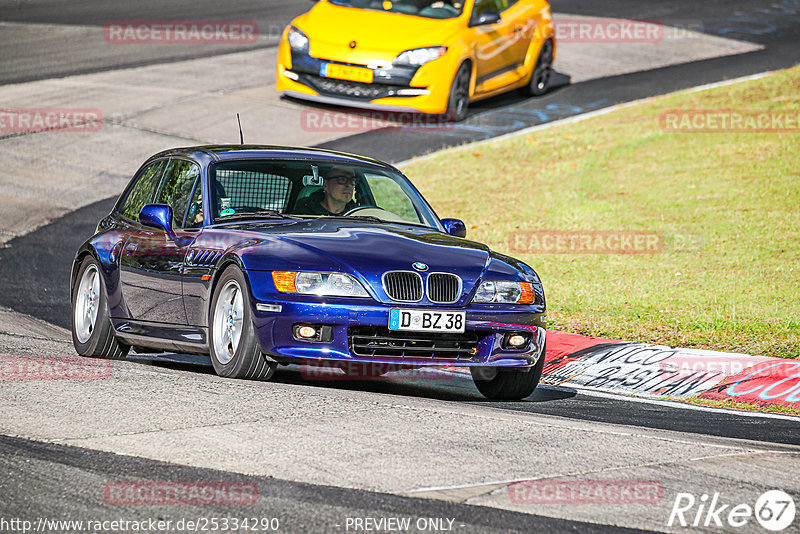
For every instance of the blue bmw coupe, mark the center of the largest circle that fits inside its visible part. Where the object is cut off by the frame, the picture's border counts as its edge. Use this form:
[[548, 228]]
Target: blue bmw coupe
[[260, 256]]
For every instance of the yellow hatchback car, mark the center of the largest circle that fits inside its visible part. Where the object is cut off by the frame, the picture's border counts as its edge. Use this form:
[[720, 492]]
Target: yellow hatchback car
[[428, 56]]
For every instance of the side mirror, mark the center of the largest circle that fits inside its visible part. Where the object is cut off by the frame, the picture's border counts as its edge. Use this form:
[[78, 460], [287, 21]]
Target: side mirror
[[487, 17], [455, 227], [157, 216]]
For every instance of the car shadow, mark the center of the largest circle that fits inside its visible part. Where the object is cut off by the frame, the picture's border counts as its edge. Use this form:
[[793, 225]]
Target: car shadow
[[435, 384], [352, 120]]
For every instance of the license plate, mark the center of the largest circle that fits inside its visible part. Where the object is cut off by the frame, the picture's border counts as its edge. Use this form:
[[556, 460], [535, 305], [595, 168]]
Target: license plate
[[427, 320], [346, 72]]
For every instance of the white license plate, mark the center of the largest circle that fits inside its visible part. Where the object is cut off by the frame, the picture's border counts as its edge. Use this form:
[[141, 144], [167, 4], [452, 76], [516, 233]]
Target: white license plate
[[427, 320]]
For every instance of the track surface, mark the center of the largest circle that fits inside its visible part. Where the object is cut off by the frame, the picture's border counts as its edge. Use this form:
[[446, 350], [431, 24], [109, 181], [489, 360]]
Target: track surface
[[42, 259], [50, 27], [299, 507], [50, 480], [53, 245], [769, 25]]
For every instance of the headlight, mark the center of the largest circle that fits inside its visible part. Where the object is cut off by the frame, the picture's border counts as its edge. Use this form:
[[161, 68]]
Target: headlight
[[297, 40], [420, 56], [314, 283], [503, 292]]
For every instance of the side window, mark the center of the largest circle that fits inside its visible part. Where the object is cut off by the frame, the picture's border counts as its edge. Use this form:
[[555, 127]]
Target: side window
[[176, 188], [488, 5], [390, 197], [142, 190], [194, 213]]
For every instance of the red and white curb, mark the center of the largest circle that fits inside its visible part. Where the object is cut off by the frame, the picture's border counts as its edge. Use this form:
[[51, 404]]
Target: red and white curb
[[661, 372]]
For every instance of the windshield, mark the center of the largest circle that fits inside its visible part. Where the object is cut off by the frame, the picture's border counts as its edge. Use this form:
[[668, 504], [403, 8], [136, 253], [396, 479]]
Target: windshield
[[439, 9], [306, 189]]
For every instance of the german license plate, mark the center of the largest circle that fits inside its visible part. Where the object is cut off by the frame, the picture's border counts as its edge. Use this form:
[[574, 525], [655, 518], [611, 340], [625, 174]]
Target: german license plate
[[427, 320], [346, 72]]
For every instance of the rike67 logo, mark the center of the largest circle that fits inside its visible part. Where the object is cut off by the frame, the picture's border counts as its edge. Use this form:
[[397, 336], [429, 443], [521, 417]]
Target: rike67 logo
[[774, 510]]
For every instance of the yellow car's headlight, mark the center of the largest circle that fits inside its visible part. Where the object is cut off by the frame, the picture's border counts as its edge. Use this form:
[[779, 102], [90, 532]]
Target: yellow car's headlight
[[420, 56], [298, 41]]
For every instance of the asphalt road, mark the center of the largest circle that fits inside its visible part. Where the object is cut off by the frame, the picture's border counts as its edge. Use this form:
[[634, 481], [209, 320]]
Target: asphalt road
[[49, 250], [78, 46], [49, 39], [42, 259], [40, 40], [32, 475]]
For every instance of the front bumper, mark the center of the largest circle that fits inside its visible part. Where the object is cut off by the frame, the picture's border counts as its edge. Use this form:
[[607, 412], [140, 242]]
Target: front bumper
[[351, 323], [424, 89]]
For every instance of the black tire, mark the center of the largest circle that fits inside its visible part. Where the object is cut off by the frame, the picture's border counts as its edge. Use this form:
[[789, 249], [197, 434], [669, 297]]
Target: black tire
[[93, 338], [509, 384], [459, 94], [243, 358], [540, 77]]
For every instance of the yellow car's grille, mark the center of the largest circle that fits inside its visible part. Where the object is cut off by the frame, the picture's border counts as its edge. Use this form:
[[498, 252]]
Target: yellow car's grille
[[367, 91]]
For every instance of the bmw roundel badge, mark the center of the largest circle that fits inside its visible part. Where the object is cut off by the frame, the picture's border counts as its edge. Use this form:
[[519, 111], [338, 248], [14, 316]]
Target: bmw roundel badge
[[418, 265]]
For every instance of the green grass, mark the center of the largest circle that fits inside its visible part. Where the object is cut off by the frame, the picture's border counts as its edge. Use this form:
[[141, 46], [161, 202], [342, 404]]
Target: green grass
[[775, 408], [727, 204]]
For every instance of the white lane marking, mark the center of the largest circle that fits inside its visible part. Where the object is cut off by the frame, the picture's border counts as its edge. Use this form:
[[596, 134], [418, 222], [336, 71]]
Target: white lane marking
[[569, 475], [577, 118], [739, 454], [582, 473]]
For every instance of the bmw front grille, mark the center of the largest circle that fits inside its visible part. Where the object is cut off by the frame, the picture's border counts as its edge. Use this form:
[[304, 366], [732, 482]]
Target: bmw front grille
[[407, 286]]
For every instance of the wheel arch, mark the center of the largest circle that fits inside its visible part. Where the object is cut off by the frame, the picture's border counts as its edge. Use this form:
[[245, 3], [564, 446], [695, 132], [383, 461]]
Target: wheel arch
[[80, 256], [473, 73], [535, 48], [222, 266]]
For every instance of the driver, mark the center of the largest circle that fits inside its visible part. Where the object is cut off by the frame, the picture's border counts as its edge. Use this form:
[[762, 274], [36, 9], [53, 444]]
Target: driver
[[335, 197]]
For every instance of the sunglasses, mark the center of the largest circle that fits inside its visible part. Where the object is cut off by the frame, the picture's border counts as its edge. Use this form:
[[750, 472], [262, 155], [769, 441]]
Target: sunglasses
[[343, 180]]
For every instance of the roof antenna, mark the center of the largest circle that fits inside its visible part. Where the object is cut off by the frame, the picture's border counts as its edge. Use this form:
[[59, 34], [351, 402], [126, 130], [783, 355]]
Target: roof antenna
[[241, 137]]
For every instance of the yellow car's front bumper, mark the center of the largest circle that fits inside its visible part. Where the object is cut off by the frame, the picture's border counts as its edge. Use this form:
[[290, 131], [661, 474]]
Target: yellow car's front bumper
[[424, 90]]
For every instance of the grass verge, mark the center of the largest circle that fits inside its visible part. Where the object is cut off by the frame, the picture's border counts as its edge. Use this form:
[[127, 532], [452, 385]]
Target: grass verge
[[726, 207], [775, 408]]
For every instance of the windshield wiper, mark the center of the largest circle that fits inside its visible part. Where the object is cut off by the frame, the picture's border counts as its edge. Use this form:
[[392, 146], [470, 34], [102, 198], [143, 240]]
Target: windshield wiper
[[356, 217], [255, 214]]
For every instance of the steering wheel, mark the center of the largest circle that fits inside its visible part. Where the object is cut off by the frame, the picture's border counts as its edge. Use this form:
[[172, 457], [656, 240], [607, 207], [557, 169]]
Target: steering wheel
[[375, 211], [359, 208]]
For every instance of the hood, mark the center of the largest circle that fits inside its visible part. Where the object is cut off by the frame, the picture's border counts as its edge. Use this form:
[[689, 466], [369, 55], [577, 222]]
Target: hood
[[379, 34], [368, 250]]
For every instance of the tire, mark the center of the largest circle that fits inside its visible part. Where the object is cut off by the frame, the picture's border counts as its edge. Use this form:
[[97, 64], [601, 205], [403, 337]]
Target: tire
[[509, 385], [235, 352], [540, 77], [459, 94], [92, 332]]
